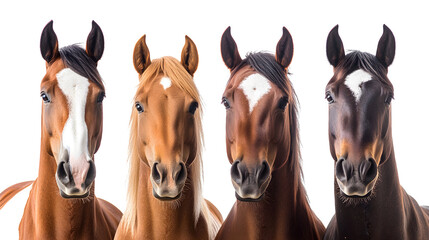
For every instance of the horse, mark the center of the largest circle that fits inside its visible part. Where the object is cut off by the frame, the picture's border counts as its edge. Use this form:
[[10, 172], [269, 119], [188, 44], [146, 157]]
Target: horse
[[263, 146], [61, 203], [165, 190], [369, 200]]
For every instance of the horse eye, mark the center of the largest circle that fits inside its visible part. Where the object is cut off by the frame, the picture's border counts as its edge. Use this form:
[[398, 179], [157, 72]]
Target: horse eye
[[101, 97], [193, 107], [225, 102], [283, 103], [139, 107], [388, 99], [329, 98], [45, 97]]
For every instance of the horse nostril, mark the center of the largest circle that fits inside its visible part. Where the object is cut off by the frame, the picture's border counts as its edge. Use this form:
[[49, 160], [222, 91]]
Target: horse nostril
[[236, 175], [343, 170], [90, 176], [63, 173], [263, 173], [156, 176], [181, 174], [368, 170]]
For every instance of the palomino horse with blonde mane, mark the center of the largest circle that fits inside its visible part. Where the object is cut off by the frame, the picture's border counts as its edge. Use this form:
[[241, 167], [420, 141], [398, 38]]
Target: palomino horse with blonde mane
[[62, 204], [263, 146], [369, 200], [164, 192]]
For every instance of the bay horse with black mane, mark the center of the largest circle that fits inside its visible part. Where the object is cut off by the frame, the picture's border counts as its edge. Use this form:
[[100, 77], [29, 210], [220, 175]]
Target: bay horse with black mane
[[262, 140], [165, 184], [61, 203], [369, 200]]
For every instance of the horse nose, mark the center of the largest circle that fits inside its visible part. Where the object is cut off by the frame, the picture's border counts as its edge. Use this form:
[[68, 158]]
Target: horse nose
[[244, 178], [263, 173], [179, 175], [344, 170], [237, 174], [356, 180], [64, 173], [90, 176], [65, 176], [368, 171], [157, 173], [168, 180]]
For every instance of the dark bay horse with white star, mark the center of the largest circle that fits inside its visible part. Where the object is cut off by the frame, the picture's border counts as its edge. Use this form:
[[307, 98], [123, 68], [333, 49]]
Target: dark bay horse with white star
[[61, 203], [263, 146], [369, 200]]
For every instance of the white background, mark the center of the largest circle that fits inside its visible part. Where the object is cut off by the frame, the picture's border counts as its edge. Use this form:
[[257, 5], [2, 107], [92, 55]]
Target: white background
[[256, 25]]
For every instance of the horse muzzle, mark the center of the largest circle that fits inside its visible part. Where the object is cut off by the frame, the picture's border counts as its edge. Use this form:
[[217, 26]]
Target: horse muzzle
[[75, 183], [250, 183], [356, 181], [168, 181]]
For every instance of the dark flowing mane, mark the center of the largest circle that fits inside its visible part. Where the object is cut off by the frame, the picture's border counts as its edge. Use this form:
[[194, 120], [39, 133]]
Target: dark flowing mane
[[365, 61], [75, 58], [266, 64]]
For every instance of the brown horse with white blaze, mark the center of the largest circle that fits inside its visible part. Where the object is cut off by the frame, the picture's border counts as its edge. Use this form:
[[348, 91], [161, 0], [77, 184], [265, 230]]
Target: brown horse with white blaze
[[61, 203], [262, 140], [165, 190], [369, 200]]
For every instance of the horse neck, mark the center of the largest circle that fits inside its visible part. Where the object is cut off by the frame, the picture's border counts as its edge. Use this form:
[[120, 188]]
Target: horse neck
[[284, 207], [164, 220], [50, 206], [383, 213]]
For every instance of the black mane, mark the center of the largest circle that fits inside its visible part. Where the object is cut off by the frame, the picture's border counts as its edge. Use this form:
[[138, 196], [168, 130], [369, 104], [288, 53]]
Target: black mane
[[367, 62], [75, 58], [266, 64]]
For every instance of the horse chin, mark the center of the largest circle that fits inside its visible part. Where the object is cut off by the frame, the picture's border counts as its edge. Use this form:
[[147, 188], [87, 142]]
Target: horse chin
[[355, 200], [64, 195], [249, 199], [76, 195], [162, 198]]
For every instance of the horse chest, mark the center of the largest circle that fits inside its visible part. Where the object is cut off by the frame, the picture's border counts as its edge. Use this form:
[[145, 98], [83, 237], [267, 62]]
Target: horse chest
[[11, 214]]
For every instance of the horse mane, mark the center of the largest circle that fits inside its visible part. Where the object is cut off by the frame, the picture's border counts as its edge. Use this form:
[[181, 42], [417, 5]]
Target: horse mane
[[266, 64], [361, 60], [173, 69], [76, 58]]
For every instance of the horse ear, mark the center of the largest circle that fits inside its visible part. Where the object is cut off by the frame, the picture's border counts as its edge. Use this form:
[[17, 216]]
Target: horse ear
[[284, 49], [141, 55], [229, 50], [189, 57], [95, 43], [386, 47], [334, 47], [49, 43]]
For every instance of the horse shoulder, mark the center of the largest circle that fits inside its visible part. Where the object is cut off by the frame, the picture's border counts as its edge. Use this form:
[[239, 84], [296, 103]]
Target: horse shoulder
[[214, 211], [11, 213], [111, 213], [331, 230], [416, 216]]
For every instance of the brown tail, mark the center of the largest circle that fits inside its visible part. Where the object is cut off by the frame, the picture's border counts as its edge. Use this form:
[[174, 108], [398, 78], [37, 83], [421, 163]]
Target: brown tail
[[11, 191]]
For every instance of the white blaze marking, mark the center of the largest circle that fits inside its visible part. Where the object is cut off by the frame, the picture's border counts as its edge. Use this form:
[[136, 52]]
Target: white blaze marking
[[255, 87], [354, 81], [75, 133], [165, 82]]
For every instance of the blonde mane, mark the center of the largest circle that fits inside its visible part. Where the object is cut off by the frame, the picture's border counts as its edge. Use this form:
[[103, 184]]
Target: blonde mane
[[173, 69]]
